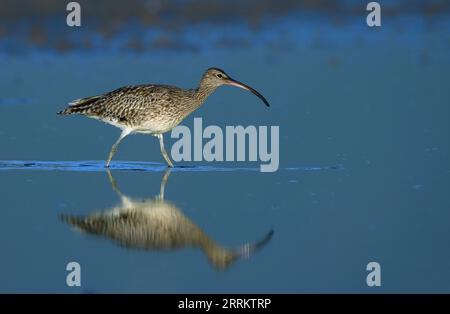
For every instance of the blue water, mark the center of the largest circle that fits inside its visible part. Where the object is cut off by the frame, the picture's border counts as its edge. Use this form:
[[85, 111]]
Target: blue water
[[92, 165], [364, 164]]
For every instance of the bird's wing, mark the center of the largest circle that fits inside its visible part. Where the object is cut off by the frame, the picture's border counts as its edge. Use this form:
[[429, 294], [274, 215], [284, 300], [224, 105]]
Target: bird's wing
[[114, 102]]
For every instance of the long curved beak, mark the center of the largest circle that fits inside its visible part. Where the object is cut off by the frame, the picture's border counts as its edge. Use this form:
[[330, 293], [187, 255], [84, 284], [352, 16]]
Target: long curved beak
[[233, 82]]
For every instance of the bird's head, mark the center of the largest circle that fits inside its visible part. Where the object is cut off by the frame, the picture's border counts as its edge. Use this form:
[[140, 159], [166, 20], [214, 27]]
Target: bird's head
[[214, 77]]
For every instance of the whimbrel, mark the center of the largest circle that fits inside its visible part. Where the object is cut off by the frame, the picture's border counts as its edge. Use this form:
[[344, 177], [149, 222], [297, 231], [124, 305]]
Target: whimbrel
[[156, 224], [151, 109]]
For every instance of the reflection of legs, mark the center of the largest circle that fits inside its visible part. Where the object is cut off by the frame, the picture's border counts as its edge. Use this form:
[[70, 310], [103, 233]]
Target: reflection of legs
[[163, 150], [163, 184], [125, 200], [113, 182], [116, 145]]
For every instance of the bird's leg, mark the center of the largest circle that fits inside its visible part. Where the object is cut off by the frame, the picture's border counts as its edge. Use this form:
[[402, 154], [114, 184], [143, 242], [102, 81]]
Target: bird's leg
[[163, 150], [115, 146]]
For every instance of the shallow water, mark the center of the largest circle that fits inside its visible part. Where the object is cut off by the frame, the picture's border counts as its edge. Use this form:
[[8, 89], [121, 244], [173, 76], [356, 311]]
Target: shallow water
[[99, 165], [364, 172]]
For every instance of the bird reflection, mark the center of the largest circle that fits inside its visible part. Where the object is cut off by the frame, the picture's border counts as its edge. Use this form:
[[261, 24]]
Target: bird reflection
[[157, 224]]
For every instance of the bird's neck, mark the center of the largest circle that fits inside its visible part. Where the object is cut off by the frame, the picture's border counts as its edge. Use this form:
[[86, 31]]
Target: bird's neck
[[199, 96], [203, 91]]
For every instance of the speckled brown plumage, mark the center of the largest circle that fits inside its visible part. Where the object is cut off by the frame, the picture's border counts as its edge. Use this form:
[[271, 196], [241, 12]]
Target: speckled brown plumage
[[153, 109]]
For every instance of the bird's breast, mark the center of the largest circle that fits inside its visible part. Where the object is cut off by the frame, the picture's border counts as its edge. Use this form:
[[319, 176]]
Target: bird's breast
[[157, 125]]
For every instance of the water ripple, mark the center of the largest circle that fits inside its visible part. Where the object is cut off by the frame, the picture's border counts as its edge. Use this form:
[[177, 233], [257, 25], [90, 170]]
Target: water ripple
[[99, 166]]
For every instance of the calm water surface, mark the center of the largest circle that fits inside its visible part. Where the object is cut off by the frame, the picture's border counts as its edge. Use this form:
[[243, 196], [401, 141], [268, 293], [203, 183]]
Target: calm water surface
[[364, 176]]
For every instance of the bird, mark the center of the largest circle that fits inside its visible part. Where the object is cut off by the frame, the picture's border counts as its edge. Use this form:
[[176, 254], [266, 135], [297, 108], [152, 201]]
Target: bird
[[155, 224], [151, 108]]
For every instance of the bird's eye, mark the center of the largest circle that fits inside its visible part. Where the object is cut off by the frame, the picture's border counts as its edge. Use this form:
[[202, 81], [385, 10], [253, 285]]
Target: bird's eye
[[219, 75]]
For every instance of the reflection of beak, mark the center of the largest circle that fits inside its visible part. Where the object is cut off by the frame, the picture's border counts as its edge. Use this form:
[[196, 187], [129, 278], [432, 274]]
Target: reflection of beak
[[232, 82], [250, 248]]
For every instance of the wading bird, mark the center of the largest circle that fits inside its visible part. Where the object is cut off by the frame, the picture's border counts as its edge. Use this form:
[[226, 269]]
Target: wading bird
[[151, 109]]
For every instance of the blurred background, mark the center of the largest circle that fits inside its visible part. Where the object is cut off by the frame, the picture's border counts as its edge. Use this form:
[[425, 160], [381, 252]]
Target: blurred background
[[153, 26], [364, 143]]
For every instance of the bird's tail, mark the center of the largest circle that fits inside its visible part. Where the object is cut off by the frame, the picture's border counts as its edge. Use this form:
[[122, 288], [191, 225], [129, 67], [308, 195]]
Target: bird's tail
[[83, 224], [80, 106]]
